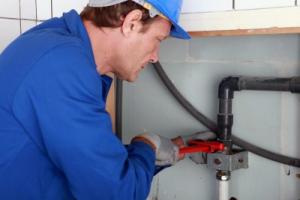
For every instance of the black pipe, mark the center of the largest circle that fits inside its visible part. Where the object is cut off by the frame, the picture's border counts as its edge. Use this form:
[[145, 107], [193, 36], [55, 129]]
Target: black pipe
[[225, 116], [229, 85], [213, 127], [225, 122], [269, 83], [119, 100]]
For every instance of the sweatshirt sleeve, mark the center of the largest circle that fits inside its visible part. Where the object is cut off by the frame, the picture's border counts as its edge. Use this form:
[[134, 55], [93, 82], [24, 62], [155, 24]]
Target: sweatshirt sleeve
[[60, 104]]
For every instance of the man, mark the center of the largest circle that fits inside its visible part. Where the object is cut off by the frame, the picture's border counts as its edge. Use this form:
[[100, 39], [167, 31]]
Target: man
[[56, 139]]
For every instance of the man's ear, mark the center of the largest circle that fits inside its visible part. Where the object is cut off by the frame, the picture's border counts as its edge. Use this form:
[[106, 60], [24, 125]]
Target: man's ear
[[132, 22]]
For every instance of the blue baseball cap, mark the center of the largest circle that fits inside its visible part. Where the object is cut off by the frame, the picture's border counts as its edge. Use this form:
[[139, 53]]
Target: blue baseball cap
[[168, 9]]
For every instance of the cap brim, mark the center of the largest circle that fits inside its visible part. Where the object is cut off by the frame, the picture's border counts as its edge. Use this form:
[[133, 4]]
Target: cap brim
[[178, 32]]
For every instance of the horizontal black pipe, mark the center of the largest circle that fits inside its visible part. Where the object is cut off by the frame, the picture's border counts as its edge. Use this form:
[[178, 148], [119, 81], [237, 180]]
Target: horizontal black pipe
[[230, 84]]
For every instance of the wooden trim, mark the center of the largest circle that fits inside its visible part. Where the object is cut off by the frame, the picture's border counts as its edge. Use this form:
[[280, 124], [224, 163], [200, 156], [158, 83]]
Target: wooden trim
[[243, 22], [262, 31]]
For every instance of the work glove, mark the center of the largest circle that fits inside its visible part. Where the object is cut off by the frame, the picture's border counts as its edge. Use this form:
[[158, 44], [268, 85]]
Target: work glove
[[198, 158], [167, 152], [202, 135]]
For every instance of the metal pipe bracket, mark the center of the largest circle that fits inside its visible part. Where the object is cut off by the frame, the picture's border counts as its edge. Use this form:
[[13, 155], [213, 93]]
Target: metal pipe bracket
[[234, 161]]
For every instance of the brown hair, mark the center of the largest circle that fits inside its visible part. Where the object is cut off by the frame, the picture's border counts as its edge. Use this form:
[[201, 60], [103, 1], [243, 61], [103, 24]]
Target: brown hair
[[111, 16]]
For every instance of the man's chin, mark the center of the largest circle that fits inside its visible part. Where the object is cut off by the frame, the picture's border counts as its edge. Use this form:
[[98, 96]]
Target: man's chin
[[132, 79], [129, 78]]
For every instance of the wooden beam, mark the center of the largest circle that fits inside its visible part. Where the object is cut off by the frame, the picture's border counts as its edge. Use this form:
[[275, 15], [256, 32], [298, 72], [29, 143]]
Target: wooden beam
[[239, 32]]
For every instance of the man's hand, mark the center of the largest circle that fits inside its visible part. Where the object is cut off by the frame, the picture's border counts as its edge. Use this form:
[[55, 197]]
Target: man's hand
[[166, 150], [198, 158], [180, 143]]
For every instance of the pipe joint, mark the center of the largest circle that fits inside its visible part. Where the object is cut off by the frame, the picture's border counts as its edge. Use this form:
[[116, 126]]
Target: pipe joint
[[227, 87]]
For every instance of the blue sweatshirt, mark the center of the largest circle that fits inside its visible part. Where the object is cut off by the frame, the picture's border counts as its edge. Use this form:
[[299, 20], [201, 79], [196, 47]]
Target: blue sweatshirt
[[56, 139]]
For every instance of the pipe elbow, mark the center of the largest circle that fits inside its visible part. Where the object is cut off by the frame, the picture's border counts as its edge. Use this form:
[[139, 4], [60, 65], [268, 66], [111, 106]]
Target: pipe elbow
[[227, 87]]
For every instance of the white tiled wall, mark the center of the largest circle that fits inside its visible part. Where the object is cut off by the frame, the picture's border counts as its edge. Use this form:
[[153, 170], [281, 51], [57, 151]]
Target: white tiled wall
[[60, 6], [12, 30], [9, 8], [254, 4], [191, 6], [26, 25], [43, 9], [17, 16], [28, 9]]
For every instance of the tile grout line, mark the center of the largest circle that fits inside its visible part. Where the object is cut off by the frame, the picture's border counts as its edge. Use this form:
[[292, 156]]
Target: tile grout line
[[51, 8], [20, 17], [36, 12], [25, 19]]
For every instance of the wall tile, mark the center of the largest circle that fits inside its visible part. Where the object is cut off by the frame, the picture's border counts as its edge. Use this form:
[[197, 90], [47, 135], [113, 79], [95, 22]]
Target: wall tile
[[43, 9], [61, 6], [9, 8], [27, 24], [12, 30], [191, 6], [253, 4], [28, 9]]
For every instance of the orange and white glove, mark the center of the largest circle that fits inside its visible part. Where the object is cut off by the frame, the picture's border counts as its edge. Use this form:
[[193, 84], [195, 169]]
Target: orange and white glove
[[166, 151], [198, 158]]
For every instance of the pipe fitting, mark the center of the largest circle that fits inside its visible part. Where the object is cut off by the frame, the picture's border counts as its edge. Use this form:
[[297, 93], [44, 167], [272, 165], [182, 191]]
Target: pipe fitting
[[227, 87], [223, 175]]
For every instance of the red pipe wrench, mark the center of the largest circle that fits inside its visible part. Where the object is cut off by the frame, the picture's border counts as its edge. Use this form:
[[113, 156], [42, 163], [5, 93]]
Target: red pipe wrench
[[197, 146]]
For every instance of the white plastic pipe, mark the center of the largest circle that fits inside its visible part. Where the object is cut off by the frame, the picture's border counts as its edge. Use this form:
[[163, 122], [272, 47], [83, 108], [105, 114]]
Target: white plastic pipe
[[223, 190]]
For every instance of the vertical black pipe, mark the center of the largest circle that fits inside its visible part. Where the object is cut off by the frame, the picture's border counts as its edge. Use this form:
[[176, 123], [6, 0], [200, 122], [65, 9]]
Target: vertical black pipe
[[225, 116], [119, 109]]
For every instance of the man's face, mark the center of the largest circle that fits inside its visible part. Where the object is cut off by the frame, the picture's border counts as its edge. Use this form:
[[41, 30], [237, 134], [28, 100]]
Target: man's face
[[142, 47]]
